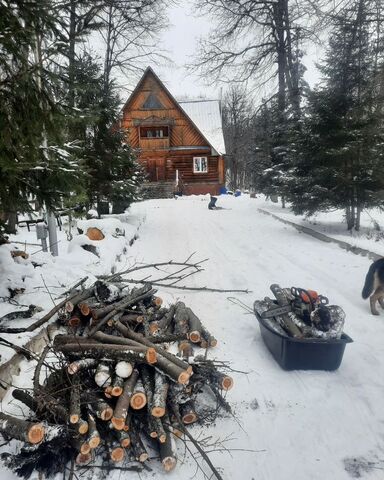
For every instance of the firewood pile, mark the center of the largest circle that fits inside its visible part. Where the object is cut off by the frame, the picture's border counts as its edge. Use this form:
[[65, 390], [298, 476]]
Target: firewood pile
[[119, 385]]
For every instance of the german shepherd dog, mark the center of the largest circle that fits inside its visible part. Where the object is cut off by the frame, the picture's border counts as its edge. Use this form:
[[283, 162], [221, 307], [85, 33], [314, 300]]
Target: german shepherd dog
[[374, 285]]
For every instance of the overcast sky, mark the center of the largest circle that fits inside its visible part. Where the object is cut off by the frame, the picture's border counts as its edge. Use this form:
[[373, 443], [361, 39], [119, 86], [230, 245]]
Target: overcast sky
[[180, 43]]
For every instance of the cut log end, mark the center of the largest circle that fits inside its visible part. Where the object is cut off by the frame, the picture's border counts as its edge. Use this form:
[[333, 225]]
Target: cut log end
[[74, 322], [117, 454], [162, 438], [106, 414], [169, 463], [73, 368], [151, 356], [108, 391], [227, 383], [157, 301], [85, 448], [36, 433], [74, 418], [153, 434], [154, 328], [94, 442], [94, 233], [177, 432], [213, 342], [138, 400], [69, 307], [124, 369], [83, 459], [143, 457], [82, 427], [84, 309], [195, 337], [185, 348], [189, 418], [183, 378], [125, 442], [116, 391], [158, 412], [118, 423]]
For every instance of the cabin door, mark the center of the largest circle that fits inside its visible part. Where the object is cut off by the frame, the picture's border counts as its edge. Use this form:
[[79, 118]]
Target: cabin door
[[152, 170], [160, 169]]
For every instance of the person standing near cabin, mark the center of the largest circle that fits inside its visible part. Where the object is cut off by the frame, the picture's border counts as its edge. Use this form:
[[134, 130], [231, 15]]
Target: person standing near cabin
[[212, 203]]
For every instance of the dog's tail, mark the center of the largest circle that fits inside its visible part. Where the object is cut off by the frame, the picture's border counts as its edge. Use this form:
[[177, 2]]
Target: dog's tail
[[369, 281]]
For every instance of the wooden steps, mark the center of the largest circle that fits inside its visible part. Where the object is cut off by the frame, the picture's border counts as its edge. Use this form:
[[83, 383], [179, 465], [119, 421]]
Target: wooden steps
[[151, 190]]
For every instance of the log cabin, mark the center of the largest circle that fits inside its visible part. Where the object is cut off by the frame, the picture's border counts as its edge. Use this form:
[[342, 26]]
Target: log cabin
[[179, 143]]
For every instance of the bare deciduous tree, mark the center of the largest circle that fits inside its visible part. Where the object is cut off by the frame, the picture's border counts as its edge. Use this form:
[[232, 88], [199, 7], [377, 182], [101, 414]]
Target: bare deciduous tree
[[130, 35], [257, 41]]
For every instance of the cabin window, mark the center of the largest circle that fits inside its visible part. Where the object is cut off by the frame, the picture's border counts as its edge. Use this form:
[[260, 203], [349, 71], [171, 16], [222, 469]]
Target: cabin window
[[200, 165], [154, 132]]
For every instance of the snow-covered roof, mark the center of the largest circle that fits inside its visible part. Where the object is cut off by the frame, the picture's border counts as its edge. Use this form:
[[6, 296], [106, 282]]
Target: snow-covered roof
[[206, 115]]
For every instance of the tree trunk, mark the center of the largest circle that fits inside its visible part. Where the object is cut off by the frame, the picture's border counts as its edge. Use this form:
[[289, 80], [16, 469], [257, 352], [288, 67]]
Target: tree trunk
[[159, 429], [350, 216], [167, 319], [122, 405], [84, 363], [71, 54], [98, 406], [173, 371], [195, 327], [117, 386], [10, 219], [139, 398], [159, 396], [128, 333], [182, 327], [138, 448], [116, 453], [357, 220], [208, 338], [21, 429], [279, 9], [168, 453], [74, 403], [114, 352], [188, 413]]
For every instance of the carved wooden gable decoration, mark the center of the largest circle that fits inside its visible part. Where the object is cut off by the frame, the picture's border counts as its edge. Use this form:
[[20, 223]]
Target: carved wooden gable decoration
[[152, 104]]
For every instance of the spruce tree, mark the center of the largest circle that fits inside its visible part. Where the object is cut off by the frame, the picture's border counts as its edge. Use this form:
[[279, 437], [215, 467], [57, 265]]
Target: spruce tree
[[339, 153], [111, 171], [34, 163]]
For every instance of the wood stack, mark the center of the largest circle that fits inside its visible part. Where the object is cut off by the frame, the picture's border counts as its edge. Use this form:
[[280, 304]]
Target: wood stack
[[119, 390]]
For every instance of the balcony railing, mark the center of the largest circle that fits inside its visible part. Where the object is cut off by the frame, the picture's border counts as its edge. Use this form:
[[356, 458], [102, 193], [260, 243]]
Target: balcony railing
[[154, 143]]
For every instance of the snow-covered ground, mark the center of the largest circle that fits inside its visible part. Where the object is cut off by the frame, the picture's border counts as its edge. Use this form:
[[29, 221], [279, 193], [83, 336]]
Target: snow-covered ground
[[302, 425]]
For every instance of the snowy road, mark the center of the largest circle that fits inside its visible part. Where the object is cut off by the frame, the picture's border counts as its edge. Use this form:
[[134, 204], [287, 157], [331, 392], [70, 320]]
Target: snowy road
[[300, 425]]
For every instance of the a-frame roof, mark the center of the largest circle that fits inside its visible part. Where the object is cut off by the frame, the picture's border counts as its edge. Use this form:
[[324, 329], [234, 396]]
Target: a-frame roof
[[204, 115]]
